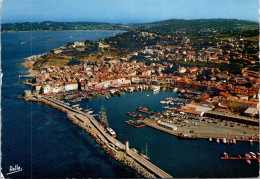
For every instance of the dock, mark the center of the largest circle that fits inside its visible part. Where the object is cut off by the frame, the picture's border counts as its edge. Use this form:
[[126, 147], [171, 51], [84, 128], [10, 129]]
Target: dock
[[88, 120], [239, 158]]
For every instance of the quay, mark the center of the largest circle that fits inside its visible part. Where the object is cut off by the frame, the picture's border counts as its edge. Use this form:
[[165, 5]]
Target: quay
[[206, 131], [232, 117], [115, 148]]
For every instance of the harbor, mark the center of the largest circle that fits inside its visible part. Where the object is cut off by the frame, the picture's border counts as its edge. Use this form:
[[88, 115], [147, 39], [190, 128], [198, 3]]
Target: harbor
[[72, 149], [112, 146], [203, 128], [183, 126]]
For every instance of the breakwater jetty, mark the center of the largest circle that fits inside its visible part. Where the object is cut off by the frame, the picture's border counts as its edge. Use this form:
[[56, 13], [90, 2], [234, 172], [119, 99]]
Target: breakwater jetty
[[112, 146]]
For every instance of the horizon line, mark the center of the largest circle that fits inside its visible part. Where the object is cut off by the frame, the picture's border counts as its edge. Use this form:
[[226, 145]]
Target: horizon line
[[126, 23]]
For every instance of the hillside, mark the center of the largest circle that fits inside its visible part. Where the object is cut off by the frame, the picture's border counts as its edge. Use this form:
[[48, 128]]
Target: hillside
[[227, 24], [167, 25]]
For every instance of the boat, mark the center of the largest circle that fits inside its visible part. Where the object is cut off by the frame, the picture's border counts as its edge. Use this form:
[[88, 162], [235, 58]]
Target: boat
[[156, 89], [112, 92], [247, 155], [224, 140], [234, 141], [107, 97], [90, 112], [217, 140], [111, 132], [145, 156], [118, 93], [186, 136], [210, 139], [163, 102], [103, 117], [135, 123], [248, 161], [253, 155], [225, 154], [175, 90]]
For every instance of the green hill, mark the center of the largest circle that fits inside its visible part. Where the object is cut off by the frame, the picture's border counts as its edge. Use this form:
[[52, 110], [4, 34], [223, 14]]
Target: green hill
[[167, 25]]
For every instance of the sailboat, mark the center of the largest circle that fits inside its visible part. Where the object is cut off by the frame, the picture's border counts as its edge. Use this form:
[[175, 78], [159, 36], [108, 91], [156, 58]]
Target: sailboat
[[146, 153], [104, 123], [103, 117]]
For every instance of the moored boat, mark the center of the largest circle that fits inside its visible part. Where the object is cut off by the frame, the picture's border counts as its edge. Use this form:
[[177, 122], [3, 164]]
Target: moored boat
[[225, 154], [103, 117], [90, 112], [247, 155], [186, 136], [163, 102], [252, 154], [248, 161], [234, 141], [135, 123], [156, 89], [111, 132]]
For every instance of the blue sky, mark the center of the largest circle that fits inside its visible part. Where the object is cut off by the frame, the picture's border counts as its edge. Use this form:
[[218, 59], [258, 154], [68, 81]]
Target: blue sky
[[126, 11]]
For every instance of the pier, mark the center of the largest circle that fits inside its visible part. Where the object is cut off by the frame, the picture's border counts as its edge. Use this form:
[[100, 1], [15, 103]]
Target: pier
[[240, 158], [86, 120]]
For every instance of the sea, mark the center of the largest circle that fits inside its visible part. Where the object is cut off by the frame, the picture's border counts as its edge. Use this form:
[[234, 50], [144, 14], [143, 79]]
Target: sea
[[45, 144]]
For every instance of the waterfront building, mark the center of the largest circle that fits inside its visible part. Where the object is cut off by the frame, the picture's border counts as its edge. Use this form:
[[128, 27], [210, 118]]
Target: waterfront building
[[167, 125], [69, 86]]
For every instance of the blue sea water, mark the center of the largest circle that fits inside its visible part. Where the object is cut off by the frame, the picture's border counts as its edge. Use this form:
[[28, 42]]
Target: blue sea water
[[45, 144]]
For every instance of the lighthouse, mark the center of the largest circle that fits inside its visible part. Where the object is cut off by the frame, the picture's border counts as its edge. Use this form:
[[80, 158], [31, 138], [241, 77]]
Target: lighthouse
[[126, 146]]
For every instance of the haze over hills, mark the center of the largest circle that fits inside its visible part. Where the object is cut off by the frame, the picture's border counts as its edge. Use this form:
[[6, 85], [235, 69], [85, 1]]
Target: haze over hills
[[166, 25]]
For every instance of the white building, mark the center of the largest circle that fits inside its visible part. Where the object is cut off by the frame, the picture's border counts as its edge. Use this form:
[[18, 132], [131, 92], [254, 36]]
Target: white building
[[78, 44], [106, 84], [46, 89], [69, 86]]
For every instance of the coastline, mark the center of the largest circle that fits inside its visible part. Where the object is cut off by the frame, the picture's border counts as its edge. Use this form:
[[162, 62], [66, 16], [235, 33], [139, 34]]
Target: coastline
[[29, 68], [62, 31]]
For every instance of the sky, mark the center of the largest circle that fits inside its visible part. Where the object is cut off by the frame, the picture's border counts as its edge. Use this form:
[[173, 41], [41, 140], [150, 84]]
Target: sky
[[126, 11]]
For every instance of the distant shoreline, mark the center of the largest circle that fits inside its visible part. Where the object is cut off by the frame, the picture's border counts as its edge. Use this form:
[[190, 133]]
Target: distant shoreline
[[170, 24], [58, 31]]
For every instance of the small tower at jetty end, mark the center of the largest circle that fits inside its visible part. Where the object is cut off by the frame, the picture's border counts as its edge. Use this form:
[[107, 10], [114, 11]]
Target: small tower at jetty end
[[126, 146]]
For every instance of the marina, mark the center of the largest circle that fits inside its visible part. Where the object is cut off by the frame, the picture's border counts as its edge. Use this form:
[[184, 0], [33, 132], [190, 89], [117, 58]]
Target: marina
[[84, 120], [247, 157]]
